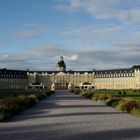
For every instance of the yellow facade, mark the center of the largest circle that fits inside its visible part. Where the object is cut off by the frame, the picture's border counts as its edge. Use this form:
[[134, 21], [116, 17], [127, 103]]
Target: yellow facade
[[119, 80], [101, 79], [61, 79]]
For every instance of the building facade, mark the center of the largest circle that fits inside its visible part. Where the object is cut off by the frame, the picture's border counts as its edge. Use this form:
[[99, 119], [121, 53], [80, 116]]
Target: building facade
[[99, 79], [13, 79], [115, 79]]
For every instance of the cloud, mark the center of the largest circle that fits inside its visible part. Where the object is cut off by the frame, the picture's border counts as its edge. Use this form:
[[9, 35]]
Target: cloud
[[45, 57], [14, 61], [26, 35], [72, 57], [125, 11], [134, 15], [110, 39], [93, 32], [13, 58], [65, 8]]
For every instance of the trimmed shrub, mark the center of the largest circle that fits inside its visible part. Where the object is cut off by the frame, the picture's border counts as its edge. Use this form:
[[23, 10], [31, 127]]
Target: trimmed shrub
[[120, 93], [40, 96], [104, 97], [101, 96], [2, 115], [124, 93], [128, 105], [76, 91], [95, 97], [72, 91], [113, 102], [34, 97], [9, 105], [87, 94], [26, 101], [48, 93]]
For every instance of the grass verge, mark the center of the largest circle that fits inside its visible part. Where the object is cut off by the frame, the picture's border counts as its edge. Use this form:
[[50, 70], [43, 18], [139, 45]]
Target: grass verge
[[128, 101], [11, 106]]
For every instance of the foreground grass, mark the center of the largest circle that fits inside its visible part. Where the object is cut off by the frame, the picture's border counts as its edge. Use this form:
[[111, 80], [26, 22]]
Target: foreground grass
[[128, 101], [135, 112], [11, 106], [128, 94], [15, 93]]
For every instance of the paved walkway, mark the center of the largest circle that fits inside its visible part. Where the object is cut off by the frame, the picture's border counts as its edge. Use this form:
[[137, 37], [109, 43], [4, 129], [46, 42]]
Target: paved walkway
[[64, 116]]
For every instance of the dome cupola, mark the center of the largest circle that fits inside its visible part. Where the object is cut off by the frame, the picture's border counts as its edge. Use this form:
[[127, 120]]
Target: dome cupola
[[61, 66]]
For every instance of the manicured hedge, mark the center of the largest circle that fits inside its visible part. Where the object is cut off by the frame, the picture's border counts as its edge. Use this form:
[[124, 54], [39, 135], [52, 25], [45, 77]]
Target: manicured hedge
[[13, 105]]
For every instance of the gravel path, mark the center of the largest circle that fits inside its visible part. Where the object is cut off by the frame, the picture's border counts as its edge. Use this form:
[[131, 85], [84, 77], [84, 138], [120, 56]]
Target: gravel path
[[64, 116]]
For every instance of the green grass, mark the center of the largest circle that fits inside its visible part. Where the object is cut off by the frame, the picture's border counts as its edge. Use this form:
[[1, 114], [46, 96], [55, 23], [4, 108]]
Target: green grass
[[11, 93], [135, 112], [128, 102], [135, 95]]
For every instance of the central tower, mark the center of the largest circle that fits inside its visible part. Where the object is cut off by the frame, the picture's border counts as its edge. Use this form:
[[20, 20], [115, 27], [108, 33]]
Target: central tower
[[61, 66]]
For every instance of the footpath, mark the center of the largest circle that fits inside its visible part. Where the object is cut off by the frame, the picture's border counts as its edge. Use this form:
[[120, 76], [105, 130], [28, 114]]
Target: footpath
[[64, 116]]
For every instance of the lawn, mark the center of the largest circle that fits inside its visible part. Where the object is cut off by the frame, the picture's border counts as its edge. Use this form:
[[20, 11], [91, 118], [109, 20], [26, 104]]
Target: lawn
[[128, 101], [11, 93], [115, 93]]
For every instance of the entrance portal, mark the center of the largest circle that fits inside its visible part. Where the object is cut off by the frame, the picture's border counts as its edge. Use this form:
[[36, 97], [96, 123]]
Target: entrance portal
[[61, 85]]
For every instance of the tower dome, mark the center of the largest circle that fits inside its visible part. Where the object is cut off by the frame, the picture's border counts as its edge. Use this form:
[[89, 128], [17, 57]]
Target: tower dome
[[61, 66]]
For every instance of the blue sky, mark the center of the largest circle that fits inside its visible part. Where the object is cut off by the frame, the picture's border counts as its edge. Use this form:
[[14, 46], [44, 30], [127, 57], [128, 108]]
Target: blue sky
[[88, 33]]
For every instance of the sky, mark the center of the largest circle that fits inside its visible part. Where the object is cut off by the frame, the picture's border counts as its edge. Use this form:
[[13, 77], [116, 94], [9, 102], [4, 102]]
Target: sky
[[90, 34]]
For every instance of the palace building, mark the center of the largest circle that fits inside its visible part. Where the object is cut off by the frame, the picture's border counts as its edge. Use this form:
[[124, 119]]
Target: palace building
[[115, 79], [98, 79], [13, 79]]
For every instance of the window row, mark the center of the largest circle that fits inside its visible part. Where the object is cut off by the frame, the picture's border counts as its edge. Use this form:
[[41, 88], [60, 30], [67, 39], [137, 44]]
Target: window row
[[115, 75], [13, 76]]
